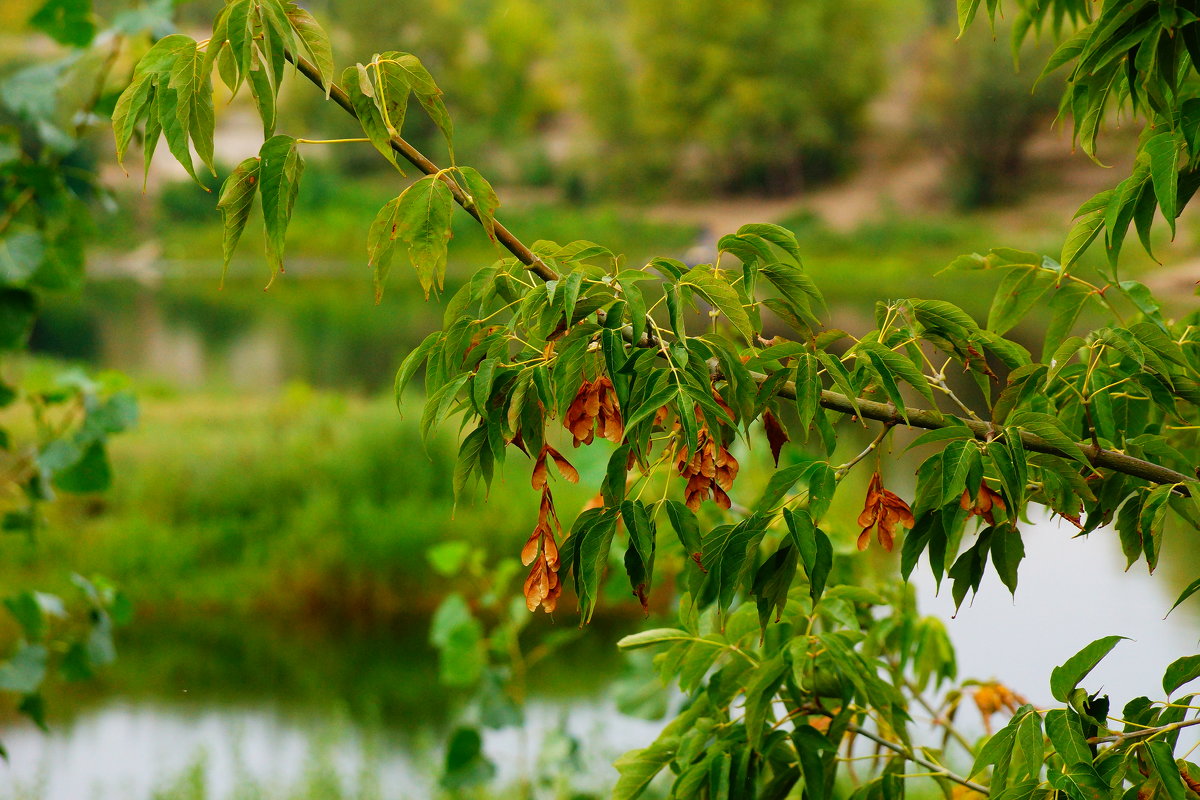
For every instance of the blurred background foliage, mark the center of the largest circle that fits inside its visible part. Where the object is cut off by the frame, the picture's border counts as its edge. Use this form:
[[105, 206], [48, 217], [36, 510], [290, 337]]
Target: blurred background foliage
[[271, 518]]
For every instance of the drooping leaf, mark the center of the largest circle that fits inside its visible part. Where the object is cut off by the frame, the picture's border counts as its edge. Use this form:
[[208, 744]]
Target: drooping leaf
[[280, 168], [484, 201], [315, 40], [1163, 150], [237, 197], [357, 84], [422, 222]]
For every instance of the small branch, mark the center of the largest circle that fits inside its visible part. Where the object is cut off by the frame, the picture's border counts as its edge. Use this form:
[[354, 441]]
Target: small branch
[[1143, 733], [841, 471], [935, 769]]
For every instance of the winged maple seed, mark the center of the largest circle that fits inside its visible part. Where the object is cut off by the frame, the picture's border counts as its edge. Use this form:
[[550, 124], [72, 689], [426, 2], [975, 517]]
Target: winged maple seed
[[987, 500], [594, 410], [882, 510], [993, 697], [710, 470], [539, 479], [542, 587]]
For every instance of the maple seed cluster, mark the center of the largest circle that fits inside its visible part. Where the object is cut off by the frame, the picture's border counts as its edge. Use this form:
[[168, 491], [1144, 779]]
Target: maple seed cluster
[[543, 587], [882, 510], [594, 410], [711, 469], [991, 698], [985, 501]]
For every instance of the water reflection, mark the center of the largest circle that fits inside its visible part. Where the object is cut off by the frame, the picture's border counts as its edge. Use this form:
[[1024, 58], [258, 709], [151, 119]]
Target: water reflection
[[125, 751]]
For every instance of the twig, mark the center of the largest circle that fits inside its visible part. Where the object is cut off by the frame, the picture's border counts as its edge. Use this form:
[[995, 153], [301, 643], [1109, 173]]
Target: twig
[[1123, 737], [936, 769], [841, 471]]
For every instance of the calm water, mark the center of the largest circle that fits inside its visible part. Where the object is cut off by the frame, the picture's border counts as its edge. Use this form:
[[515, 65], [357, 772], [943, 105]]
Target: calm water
[[244, 707]]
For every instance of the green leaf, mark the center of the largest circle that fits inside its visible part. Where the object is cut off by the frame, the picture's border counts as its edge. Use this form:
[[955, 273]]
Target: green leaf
[[721, 296], [358, 88], [240, 22], [280, 168], [1019, 291], [263, 94], [413, 361], [427, 92], [687, 528], [948, 434], [1065, 732], [899, 365], [814, 548], [1065, 678], [810, 744], [466, 765], [966, 13], [483, 199], [132, 105], [1088, 225], [760, 694], [423, 223], [90, 473], [21, 255], [724, 554], [1065, 306], [68, 22], [639, 556], [586, 551], [23, 673], [995, 749], [795, 285], [777, 235], [467, 465], [237, 196], [808, 389], [316, 42], [192, 84], [1181, 671], [772, 582], [1007, 552], [654, 636], [381, 244], [1050, 429], [1163, 150], [1162, 763], [1188, 591], [437, 407]]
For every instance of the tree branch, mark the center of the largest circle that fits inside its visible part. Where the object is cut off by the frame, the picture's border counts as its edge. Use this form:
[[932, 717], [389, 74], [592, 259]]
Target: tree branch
[[869, 409]]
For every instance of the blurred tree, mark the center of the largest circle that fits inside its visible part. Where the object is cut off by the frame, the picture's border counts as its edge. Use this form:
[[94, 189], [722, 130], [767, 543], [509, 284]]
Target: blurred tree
[[714, 96], [980, 110]]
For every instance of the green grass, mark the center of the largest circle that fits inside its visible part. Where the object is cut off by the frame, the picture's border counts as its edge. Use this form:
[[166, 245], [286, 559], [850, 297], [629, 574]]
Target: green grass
[[306, 505]]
